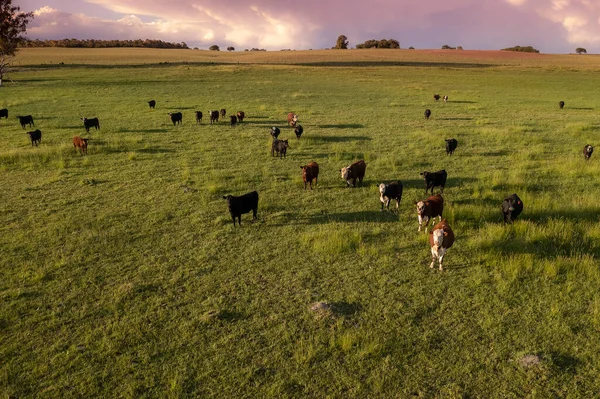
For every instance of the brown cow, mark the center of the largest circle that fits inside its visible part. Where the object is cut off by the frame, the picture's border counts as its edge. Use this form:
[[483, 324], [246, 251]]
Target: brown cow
[[441, 238], [223, 113], [353, 172], [241, 115], [310, 172], [430, 208], [292, 119], [81, 143]]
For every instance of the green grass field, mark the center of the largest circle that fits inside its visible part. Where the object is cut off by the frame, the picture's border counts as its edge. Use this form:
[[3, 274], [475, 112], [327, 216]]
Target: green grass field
[[122, 274]]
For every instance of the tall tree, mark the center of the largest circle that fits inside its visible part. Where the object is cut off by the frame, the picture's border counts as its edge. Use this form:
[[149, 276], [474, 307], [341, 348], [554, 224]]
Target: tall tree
[[342, 42], [13, 23]]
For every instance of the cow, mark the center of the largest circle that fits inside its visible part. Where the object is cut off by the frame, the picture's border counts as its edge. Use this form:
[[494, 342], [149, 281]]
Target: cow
[[176, 118], [36, 137], [298, 130], [427, 113], [81, 144], [26, 120], [353, 172], [223, 113], [561, 104], [88, 123], [280, 147], [4, 113], [388, 192], [242, 204], [233, 119], [512, 206], [436, 97], [441, 237], [434, 179], [428, 209], [587, 151], [445, 99], [275, 132], [198, 116], [152, 104], [214, 116], [451, 145], [241, 115], [292, 119], [310, 172]]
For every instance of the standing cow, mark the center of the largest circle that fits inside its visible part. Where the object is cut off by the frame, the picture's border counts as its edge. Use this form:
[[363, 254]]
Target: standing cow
[[223, 113], [353, 172], [441, 237], [4, 113], [280, 147], [512, 206], [275, 132], [428, 209], [427, 113], [561, 104], [176, 118], [233, 120], [241, 115], [242, 204], [81, 144], [436, 97], [587, 151], [292, 119], [388, 192], [36, 137], [152, 104], [26, 120], [310, 172], [434, 179], [298, 130], [92, 122], [214, 116], [451, 145], [198, 117]]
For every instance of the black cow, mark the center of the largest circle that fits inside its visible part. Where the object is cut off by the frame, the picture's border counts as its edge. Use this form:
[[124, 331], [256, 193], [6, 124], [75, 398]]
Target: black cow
[[223, 113], [176, 118], [4, 113], [427, 113], [214, 116], [511, 208], [561, 104], [298, 130], [436, 97], [587, 151], [36, 137], [434, 179], [451, 146], [198, 116], [233, 119], [88, 123], [388, 192], [242, 204], [275, 132], [152, 104], [280, 147], [26, 120]]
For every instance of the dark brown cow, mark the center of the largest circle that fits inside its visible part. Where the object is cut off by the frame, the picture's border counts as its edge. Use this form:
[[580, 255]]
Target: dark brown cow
[[292, 119], [81, 144], [430, 208], [561, 104], [241, 115], [223, 113], [310, 172], [353, 172], [214, 116], [427, 113], [233, 119], [436, 97], [441, 237], [587, 151], [280, 147]]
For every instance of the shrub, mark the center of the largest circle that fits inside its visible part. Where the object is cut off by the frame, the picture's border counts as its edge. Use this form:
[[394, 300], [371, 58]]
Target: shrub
[[526, 49]]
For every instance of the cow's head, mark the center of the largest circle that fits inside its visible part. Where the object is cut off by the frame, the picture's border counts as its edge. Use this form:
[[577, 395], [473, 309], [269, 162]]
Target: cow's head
[[424, 174], [421, 205], [345, 173], [382, 187], [438, 238]]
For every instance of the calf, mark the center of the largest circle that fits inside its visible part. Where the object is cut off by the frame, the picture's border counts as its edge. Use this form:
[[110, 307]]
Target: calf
[[275, 132], [88, 123], [4, 113], [434, 179], [241, 115], [81, 144], [242, 204], [233, 119], [441, 237], [428, 209], [587, 151], [36, 137], [427, 113], [436, 97], [353, 172], [214, 116], [310, 172], [451, 145], [512, 207], [445, 99], [388, 192], [26, 120], [292, 119], [176, 118], [152, 104], [198, 117], [298, 130], [223, 113], [561, 104], [280, 147]]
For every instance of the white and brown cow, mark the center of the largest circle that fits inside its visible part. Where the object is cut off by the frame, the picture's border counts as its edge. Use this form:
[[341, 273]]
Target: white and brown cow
[[428, 209], [353, 172], [292, 119], [441, 237], [388, 192]]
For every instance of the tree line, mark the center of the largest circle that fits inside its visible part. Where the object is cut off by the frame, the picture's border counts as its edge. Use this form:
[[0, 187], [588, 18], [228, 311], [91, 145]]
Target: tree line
[[96, 43]]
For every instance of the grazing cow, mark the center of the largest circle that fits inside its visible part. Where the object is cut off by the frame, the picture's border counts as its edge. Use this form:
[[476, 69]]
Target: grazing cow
[[233, 119], [428, 209], [292, 119], [587, 151], [242, 204], [436, 97], [81, 144], [152, 104], [214, 116], [561, 104], [36, 137], [223, 113], [176, 118], [451, 146], [353, 172], [4, 113], [310, 172], [26, 120], [280, 147], [388, 192], [88, 123], [241, 115], [427, 113], [198, 116], [441, 237], [275, 132], [512, 207], [434, 179], [445, 99], [298, 130]]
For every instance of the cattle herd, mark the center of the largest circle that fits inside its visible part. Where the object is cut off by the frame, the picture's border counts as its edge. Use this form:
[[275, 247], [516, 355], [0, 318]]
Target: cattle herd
[[441, 236]]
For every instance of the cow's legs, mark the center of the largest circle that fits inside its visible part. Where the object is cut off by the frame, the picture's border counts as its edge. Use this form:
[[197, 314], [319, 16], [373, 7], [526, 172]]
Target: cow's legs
[[433, 257]]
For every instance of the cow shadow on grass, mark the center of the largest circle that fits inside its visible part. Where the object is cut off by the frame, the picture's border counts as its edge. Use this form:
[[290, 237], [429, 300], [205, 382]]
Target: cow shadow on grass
[[345, 309], [463, 102], [584, 214], [342, 126], [455, 119], [155, 150], [143, 130], [583, 108], [450, 183], [355, 217], [336, 139]]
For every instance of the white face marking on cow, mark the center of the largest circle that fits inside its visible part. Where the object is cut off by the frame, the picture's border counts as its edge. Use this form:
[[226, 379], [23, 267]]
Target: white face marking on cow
[[420, 207], [345, 173], [382, 188], [438, 239]]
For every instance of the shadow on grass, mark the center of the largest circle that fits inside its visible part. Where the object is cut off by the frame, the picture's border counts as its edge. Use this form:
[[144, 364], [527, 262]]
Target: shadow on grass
[[346, 309], [583, 109], [463, 102], [565, 363], [342, 126], [143, 131], [361, 216], [336, 139], [393, 63], [455, 119], [450, 182], [155, 150]]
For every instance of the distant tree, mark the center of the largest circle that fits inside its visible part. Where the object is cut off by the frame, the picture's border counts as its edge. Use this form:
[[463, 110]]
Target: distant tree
[[411, 48], [12, 24], [214, 47], [383, 43], [527, 49], [580, 50], [459, 48], [230, 48], [446, 47], [342, 42]]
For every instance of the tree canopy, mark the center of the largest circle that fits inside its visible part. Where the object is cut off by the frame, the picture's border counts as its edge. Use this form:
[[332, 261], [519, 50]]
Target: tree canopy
[[580, 50], [214, 47], [383, 43], [526, 49], [342, 42], [13, 23]]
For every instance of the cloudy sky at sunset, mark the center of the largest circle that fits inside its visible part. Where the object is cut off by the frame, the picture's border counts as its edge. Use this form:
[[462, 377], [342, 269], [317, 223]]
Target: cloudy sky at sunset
[[552, 26]]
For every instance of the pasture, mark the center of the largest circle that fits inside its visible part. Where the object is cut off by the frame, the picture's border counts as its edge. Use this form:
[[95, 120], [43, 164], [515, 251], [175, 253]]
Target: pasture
[[122, 274]]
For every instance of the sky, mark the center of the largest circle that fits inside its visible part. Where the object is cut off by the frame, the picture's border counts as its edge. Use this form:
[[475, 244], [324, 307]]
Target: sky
[[551, 26]]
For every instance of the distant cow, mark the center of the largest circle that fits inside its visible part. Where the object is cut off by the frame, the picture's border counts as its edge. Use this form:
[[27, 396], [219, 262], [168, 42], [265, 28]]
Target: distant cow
[[176, 118], [561, 104], [451, 145], [445, 99], [241, 115], [292, 119], [4, 113], [36, 137], [512, 207], [310, 172], [152, 104], [242, 204], [275, 132], [223, 113], [233, 119], [214, 116], [280, 147], [587, 151], [388, 192], [198, 116], [441, 237], [81, 144], [353, 172], [427, 113], [26, 120], [436, 97], [88, 123], [298, 130], [434, 179], [428, 209]]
